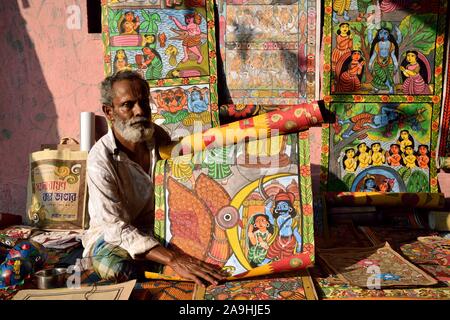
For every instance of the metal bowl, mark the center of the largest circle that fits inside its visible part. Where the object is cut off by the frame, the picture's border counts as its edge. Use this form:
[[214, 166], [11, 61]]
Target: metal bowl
[[51, 278]]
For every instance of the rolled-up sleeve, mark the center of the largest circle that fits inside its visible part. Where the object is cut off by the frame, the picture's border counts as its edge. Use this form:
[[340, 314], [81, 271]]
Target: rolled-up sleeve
[[109, 211]]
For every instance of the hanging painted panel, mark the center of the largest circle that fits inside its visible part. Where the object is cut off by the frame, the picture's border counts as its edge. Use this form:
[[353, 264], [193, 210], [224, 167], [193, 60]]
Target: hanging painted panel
[[172, 45], [381, 147], [270, 50], [382, 76]]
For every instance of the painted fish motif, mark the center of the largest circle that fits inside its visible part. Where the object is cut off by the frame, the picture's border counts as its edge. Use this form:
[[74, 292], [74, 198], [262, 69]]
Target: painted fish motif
[[172, 52], [162, 39], [388, 277]]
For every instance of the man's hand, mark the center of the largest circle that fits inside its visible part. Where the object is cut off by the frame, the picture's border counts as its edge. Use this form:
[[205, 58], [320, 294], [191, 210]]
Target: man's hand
[[194, 269], [185, 266]]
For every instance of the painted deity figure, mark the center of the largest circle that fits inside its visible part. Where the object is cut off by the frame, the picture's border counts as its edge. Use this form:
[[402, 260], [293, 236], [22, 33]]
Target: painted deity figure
[[365, 120], [259, 232], [129, 23], [349, 161], [409, 158], [376, 152], [393, 156], [197, 102], [369, 184], [383, 62], [121, 61], [344, 44], [405, 139], [282, 214], [386, 185], [192, 39], [219, 161], [349, 79], [341, 8], [414, 74], [152, 63], [363, 156], [423, 158]]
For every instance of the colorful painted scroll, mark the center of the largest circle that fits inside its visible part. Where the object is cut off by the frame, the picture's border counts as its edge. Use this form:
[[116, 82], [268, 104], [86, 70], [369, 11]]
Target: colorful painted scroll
[[270, 50], [288, 120], [298, 286], [163, 290], [330, 286], [383, 79], [246, 208], [389, 268], [172, 45]]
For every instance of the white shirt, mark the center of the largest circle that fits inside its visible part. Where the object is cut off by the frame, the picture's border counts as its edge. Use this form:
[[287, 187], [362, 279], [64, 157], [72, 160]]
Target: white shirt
[[121, 199]]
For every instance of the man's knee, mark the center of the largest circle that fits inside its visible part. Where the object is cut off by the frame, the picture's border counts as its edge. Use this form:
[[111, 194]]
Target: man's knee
[[115, 268]]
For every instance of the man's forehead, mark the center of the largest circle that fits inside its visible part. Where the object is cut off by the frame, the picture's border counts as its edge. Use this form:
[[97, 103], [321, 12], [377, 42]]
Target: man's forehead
[[128, 88]]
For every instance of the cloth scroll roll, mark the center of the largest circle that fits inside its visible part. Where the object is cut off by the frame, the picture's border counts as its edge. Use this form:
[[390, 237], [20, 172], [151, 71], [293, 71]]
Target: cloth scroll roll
[[87, 130], [408, 199], [286, 120]]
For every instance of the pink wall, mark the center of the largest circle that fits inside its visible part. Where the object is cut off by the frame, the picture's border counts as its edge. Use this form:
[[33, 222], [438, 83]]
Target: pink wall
[[50, 74]]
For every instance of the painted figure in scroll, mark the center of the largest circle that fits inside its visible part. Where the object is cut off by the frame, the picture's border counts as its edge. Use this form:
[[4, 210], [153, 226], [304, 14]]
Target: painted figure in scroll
[[350, 162], [192, 40], [364, 158], [405, 139], [414, 74], [423, 158], [369, 184], [120, 241], [376, 152], [365, 120], [409, 157], [393, 156], [197, 102], [341, 8], [344, 44], [383, 62], [121, 61], [152, 63], [351, 73], [259, 232], [386, 185], [129, 23], [288, 240]]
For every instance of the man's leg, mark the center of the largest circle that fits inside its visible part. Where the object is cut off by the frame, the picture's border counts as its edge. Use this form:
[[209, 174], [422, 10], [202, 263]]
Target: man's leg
[[111, 262]]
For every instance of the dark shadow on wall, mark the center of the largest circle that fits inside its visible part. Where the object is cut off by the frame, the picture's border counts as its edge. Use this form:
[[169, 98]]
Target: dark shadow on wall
[[27, 111]]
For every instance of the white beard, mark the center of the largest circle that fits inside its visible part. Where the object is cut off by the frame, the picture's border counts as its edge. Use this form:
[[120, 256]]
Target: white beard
[[133, 133]]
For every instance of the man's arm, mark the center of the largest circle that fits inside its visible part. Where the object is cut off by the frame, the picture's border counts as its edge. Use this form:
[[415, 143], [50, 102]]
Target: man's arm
[[109, 208], [185, 266]]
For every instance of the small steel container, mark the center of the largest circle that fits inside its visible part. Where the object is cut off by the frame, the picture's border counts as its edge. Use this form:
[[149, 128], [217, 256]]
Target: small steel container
[[51, 278]]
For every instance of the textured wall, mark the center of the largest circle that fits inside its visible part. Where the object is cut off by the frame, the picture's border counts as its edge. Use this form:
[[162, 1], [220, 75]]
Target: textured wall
[[49, 74]]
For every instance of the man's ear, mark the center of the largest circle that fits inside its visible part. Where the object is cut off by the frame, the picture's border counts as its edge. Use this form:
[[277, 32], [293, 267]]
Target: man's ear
[[108, 111]]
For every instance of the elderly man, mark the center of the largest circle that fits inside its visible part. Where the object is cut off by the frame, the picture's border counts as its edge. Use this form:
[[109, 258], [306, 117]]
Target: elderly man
[[119, 240]]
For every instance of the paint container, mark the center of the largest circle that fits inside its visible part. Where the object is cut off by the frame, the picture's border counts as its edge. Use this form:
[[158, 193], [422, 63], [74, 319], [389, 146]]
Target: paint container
[[51, 278]]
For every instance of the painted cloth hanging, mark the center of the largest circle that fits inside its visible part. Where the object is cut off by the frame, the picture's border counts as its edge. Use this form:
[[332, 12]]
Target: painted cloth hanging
[[374, 267], [288, 120], [382, 76], [296, 286], [269, 50], [172, 45], [246, 208]]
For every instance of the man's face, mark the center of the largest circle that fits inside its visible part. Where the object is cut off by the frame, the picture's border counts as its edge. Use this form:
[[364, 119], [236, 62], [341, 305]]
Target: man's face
[[130, 112]]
